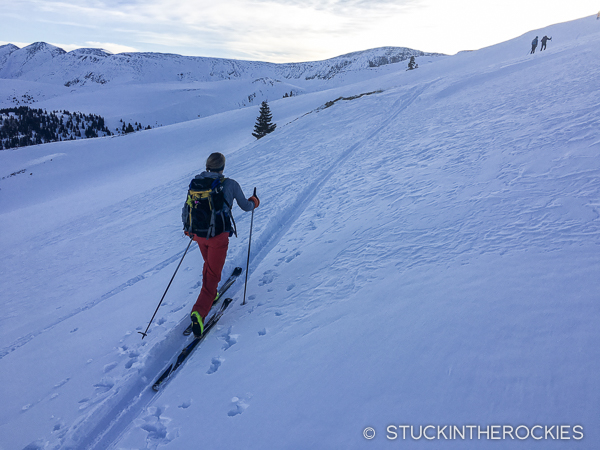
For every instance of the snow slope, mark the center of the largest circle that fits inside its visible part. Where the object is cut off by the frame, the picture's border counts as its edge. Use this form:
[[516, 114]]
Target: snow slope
[[423, 255]]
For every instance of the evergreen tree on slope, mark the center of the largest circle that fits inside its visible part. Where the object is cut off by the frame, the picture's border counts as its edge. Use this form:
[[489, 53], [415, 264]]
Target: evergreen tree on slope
[[263, 124]]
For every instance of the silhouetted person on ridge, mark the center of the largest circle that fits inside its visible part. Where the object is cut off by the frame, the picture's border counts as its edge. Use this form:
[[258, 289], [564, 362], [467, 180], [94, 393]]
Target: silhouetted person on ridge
[[534, 44], [544, 40]]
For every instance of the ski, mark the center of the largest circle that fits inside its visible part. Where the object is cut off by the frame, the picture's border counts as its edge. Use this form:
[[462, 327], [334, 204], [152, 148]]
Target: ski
[[188, 349], [234, 275]]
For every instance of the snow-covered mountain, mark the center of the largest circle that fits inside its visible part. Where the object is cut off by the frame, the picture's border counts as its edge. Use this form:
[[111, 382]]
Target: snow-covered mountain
[[47, 63], [423, 256], [162, 89]]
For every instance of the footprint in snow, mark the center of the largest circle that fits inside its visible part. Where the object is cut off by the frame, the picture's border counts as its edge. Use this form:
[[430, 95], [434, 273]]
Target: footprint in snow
[[286, 259], [186, 404], [238, 406], [105, 385], [216, 363], [84, 403], [61, 383], [292, 257], [177, 308], [230, 339], [129, 364], [267, 278], [109, 367], [156, 425]]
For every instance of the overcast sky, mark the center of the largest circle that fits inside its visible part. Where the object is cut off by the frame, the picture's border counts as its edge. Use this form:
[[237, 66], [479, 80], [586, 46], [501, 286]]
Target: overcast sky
[[279, 30]]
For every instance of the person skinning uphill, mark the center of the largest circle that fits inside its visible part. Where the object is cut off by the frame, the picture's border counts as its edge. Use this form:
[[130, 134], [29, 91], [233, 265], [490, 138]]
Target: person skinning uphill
[[545, 39], [208, 221], [534, 44]]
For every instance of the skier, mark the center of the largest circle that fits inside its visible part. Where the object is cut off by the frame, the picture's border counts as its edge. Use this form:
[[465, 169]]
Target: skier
[[544, 40], [214, 242], [534, 44]]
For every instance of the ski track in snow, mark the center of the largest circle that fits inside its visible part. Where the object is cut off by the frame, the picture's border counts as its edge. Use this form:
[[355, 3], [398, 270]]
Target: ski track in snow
[[27, 338], [138, 396], [100, 222], [406, 248], [269, 237]]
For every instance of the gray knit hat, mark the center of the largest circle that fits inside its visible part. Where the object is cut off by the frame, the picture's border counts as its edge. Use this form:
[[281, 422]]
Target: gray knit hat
[[215, 162]]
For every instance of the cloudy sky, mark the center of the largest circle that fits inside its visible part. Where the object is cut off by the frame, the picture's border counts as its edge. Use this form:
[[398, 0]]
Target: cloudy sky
[[279, 30]]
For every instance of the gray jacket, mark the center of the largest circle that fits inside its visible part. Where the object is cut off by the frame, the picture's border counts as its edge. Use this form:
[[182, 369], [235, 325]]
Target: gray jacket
[[231, 190]]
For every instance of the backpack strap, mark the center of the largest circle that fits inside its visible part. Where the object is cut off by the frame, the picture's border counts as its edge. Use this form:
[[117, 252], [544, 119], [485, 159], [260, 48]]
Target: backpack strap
[[230, 212], [193, 196], [218, 183], [231, 217]]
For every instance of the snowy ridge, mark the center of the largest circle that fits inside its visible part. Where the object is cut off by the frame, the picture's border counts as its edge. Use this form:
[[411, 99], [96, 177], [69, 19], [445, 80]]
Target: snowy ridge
[[426, 254], [44, 62], [5, 51]]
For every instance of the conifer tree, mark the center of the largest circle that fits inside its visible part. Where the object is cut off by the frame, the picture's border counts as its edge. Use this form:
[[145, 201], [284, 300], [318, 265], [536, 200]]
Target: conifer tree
[[412, 64], [263, 124]]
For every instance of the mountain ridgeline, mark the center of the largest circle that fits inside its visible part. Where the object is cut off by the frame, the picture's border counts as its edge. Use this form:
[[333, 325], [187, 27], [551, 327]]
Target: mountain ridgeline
[[44, 62]]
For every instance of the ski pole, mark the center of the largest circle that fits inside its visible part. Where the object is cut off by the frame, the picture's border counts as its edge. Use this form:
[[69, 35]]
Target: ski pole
[[249, 242], [145, 333]]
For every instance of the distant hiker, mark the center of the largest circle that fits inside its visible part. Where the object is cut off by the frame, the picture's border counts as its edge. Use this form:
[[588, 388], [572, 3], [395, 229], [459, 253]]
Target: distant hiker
[[544, 40], [598, 16], [534, 44], [207, 220]]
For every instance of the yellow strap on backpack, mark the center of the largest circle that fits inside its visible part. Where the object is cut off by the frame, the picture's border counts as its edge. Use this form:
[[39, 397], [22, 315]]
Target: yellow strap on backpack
[[194, 196], [197, 195]]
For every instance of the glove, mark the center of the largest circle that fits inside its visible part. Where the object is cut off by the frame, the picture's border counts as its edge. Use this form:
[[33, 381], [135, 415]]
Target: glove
[[255, 200]]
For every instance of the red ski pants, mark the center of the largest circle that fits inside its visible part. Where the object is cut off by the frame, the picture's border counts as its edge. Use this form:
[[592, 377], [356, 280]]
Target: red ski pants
[[214, 252]]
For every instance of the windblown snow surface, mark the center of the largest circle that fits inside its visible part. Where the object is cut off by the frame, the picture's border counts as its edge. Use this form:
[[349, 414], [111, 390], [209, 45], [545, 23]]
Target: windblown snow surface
[[423, 256]]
